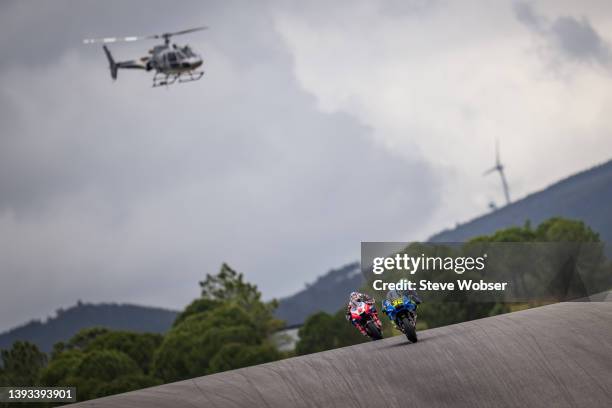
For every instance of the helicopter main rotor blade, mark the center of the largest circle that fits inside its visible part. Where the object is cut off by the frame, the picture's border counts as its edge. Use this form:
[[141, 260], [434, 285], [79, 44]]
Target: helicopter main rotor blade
[[189, 30], [165, 36], [108, 40]]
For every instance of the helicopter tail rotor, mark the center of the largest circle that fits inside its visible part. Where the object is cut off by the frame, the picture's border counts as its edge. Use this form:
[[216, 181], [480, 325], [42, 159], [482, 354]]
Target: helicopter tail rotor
[[111, 62]]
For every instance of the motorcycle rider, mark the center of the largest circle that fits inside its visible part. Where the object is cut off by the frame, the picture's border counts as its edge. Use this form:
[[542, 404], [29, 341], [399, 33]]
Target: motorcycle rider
[[394, 294], [362, 297]]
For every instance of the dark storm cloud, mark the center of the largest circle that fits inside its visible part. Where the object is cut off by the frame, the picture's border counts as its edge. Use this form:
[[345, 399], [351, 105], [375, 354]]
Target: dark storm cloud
[[124, 193], [579, 40], [525, 14], [576, 38]]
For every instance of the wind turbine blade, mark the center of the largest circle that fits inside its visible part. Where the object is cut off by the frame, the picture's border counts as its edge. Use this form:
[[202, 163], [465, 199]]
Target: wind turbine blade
[[491, 170], [497, 152], [505, 186]]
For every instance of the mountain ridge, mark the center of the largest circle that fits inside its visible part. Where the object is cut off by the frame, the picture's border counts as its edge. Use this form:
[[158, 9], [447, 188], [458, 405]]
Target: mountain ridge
[[328, 293], [67, 322], [582, 196]]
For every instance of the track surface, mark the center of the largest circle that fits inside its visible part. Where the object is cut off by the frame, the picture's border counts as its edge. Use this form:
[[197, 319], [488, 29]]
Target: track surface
[[553, 356]]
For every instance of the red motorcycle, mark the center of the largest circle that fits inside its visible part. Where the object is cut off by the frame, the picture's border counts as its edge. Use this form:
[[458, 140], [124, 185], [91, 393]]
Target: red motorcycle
[[364, 316]]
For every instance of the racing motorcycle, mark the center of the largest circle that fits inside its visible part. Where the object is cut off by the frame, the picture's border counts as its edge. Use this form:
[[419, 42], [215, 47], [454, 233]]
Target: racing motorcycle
[[362, 313], [402, 310]]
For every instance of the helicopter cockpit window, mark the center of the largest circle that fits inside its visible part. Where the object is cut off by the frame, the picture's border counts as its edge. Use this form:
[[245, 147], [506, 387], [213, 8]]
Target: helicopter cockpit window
[[187, 51], [173, 59]]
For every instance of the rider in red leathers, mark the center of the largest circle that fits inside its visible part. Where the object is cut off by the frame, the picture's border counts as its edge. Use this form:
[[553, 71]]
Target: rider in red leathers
[[362, 297]]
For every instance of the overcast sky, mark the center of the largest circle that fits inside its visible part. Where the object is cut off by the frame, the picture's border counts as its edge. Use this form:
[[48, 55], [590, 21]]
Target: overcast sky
[[317, 125]]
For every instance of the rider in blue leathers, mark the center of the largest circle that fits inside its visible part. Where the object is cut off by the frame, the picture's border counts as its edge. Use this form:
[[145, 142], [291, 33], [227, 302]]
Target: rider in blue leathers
[[394, 294]]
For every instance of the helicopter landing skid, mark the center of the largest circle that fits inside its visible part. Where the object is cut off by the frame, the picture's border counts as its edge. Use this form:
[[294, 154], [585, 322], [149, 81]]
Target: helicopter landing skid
[[191, 76], [169, 79]]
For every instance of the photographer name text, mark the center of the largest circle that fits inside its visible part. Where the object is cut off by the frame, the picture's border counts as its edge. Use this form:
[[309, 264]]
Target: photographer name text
[[427, 285]]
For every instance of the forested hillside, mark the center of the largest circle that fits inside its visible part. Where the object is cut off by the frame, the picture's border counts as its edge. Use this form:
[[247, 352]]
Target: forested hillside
[[586, 196], [67, 322], [328, 293]]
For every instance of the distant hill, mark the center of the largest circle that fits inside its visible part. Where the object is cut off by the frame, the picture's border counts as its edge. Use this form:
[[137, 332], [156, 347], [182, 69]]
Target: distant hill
[[586, 196], [69, 321], [328, 293]]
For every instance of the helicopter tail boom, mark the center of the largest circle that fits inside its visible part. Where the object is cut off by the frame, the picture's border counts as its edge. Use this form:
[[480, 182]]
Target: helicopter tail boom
[[132, 64], [112, 64]]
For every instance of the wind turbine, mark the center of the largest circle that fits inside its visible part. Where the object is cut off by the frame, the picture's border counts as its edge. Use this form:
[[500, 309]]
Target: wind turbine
[[499, 168]]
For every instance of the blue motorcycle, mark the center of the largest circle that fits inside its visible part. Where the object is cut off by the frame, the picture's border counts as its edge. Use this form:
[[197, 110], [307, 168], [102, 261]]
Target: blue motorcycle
[[401, 309]]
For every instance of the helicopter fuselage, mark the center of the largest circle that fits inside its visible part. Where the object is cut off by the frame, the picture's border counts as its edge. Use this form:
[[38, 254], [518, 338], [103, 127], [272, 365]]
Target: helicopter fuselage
[[173, 59]]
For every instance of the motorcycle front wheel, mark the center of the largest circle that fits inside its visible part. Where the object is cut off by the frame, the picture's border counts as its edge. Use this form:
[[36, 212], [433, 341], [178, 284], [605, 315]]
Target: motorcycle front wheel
[[373, 331], [409, 330]]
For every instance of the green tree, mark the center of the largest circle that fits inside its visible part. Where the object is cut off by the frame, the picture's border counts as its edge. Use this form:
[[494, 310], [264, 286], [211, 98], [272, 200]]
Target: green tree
[[319, 333], [82, 339], [140, 347], [107, 365], [556, 229], [566, 269], [512, 234], [98, 368], [197, 306], [229, 286], [97, 372], [228, 327], [559, 229], [322, 331], [188, 348], [21, 364], [61, 366], [230, 312]]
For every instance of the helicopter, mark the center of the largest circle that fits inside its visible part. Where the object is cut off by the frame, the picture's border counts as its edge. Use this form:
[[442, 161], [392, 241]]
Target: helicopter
[[170, 62]]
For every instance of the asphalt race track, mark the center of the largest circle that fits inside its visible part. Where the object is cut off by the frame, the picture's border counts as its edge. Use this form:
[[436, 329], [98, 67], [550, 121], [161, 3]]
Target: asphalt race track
[[553, 356]]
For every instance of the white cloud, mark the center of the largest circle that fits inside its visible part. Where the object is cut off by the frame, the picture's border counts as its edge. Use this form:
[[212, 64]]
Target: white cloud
[[446, 83]]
